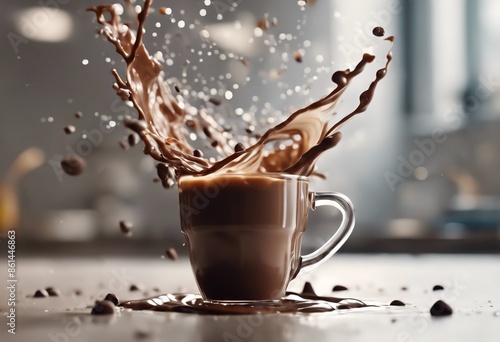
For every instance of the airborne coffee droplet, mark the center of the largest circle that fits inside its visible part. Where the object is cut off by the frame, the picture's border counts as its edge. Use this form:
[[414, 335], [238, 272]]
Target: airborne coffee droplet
[[378, 31], [70, 129], [214, 101], [41, 293], [123, 144], [198, 153], [238, 147], [308, 289], [397, 303], [171, 253], [73, 165], [263, 24], [126, 227], [133, 139], [297, 56], [164, 128]]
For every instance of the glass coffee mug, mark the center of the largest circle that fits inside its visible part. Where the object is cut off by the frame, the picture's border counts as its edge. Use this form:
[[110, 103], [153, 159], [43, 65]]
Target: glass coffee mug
[[244, 233]]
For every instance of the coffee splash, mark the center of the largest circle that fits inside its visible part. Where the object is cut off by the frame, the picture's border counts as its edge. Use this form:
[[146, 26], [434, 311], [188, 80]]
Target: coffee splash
[[165, 120]]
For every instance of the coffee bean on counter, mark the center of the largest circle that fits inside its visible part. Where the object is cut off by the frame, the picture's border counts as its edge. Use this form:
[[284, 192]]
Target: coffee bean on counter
[[171, 253], [103, 307], [177, 89], [53, 292], [437, 288], [112, 298], [244, 62], [70, 129], [308, 289], [41, 293], [73, 165], [397, 303], [263, 24], [440, 308], [126, 227], [78, 115], [135, 287], [238, 147], [339, 288], [166, 174], [133, 139]]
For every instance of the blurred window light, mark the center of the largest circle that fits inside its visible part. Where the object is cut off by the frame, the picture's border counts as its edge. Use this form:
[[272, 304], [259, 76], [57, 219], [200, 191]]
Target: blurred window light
[[436, 62], [44, 24], [451, 64], [488, 16], [489, 47]]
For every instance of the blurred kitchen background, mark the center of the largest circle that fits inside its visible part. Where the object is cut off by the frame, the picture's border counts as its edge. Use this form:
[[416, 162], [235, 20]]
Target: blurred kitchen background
[[422, 165]]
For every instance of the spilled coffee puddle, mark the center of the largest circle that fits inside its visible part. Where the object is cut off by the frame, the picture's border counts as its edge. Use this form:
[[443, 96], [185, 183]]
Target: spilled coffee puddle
[[305, 302]]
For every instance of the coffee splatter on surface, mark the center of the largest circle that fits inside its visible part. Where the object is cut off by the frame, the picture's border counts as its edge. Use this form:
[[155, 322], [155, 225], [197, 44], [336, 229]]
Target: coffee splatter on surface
[[103, 307], [337, 288]]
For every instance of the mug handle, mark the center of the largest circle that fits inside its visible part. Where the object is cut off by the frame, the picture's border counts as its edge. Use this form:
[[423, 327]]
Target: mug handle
[[342, 203]]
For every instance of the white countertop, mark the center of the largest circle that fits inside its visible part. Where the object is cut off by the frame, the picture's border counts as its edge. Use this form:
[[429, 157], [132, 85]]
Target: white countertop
[[471, 282]]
